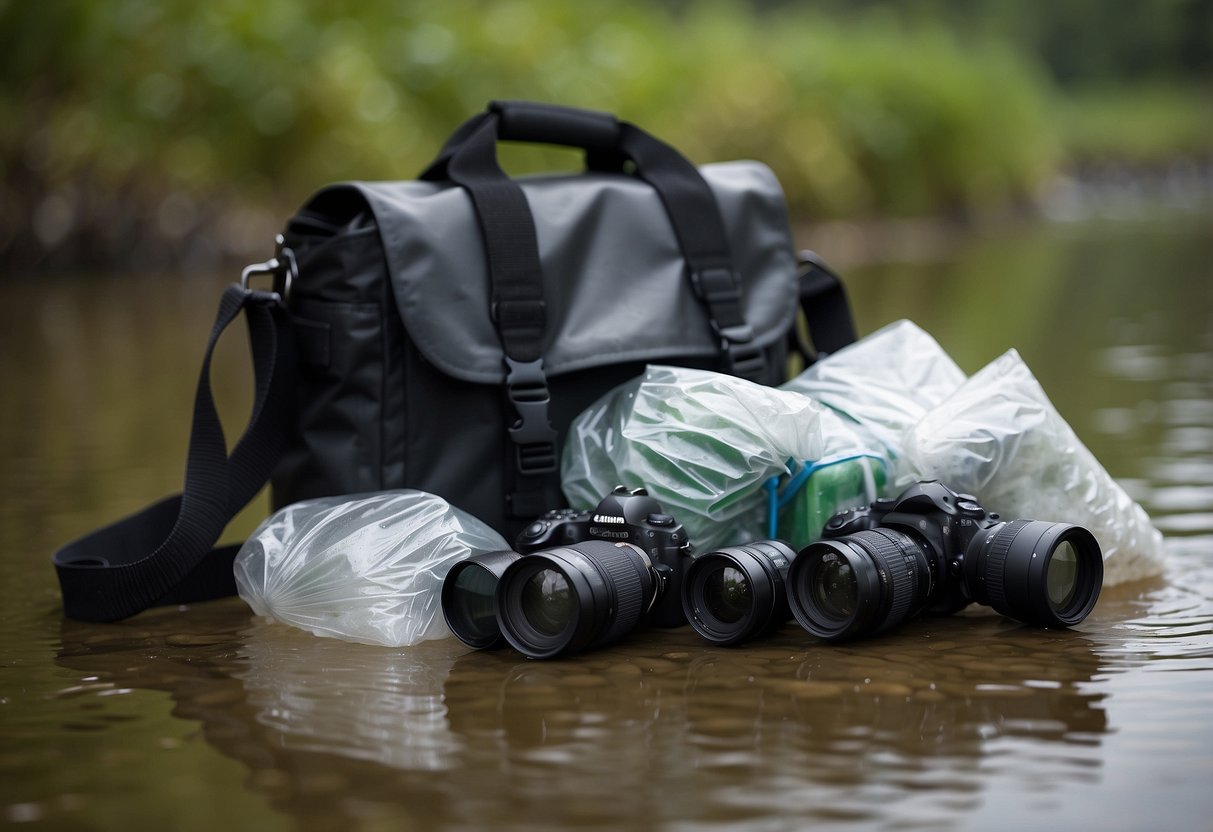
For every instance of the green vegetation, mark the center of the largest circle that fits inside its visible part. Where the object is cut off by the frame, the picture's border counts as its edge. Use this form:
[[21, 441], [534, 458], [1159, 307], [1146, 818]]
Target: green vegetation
[[1141, 124], [129, 112]]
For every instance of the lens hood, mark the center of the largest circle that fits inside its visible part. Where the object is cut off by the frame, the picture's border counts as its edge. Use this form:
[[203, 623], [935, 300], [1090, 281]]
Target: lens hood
[[468, 594]]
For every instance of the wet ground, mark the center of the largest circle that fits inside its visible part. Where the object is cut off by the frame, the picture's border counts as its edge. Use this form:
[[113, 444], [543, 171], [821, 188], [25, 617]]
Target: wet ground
[[205, 717]]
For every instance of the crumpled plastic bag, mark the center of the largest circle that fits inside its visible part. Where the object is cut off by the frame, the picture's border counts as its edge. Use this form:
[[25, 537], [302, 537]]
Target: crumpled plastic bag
[[365, 568], [999, 438], [703, 444], [885, 382]]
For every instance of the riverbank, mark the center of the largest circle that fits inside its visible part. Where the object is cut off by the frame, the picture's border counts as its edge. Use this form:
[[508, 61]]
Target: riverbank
[[182, 136], [86, 227], [1112, 193]]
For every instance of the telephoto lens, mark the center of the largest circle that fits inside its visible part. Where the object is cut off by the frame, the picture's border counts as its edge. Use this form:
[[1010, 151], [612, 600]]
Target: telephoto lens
[[934, 550], [735, 593], [567, 599], [468, 594]]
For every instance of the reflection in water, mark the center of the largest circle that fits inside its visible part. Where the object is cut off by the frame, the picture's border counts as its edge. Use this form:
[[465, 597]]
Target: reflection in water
[[783, 729], [323, 728], [786, 727], [326, 695]]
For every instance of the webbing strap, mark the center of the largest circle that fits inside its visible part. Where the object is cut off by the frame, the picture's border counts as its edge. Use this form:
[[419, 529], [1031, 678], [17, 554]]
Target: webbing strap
[[827, 312], [164, 553], [469, 159], [510, 243]]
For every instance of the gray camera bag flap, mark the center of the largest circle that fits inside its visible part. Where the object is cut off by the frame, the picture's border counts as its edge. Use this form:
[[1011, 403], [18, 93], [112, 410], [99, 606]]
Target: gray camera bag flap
[[448, 330]]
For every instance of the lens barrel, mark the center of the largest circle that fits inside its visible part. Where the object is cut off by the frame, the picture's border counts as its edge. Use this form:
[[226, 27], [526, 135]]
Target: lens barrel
[[1046, 574], [468, 598], [737, 592], [570, 598], [860, 584]]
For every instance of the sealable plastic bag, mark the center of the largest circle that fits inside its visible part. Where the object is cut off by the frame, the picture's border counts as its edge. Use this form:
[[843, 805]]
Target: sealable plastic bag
[[365, 568], [884, 382], [999, 438], [704, 444]]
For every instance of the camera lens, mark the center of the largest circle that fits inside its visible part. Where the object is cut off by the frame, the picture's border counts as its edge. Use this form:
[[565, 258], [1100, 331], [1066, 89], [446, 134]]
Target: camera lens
[[860, 584], [727, 596], [835, 588], [1061, 576], [562, 600], [1047, 574], [737, 592], [547, 601], [468, 598]]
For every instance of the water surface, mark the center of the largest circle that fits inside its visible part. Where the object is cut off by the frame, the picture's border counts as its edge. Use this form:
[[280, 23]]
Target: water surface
[[203, 717]]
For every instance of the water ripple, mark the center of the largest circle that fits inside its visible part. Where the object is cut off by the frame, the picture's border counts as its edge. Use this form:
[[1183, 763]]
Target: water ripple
[[1136, 362]]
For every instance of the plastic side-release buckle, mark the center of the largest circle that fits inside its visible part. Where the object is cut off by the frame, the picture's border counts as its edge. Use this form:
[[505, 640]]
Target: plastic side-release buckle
[[716, 283], [532, 433], [720, 290], [746, 361]]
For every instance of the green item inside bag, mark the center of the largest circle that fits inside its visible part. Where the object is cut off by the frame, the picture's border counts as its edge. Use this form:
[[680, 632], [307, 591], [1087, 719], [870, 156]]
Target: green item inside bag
[[802, 501]]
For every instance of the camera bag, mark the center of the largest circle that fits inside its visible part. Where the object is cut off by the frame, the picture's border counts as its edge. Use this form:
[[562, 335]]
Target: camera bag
[[441, 334]]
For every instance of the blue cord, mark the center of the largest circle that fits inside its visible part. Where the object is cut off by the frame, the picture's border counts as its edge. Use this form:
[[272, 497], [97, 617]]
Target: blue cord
[[772, 487], [778, 497]]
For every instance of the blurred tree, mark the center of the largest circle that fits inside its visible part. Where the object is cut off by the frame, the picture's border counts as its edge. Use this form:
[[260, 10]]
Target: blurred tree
[[134, 132], [1078, 41]]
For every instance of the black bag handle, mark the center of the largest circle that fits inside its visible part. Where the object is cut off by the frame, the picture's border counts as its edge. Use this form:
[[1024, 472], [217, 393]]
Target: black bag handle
[[469, 159], [163, 554], [594, 131]]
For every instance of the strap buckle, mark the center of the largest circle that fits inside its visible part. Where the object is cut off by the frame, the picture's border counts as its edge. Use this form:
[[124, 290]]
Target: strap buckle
[[746, 361], [282, 266], [523, 313], [716, 284], [532, 434], [720, 290]]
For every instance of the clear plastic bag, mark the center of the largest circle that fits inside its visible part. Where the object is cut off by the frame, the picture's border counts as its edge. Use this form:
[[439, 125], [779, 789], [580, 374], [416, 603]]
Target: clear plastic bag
[[999, 438], [884, 382], [704, 444], [364, 568]]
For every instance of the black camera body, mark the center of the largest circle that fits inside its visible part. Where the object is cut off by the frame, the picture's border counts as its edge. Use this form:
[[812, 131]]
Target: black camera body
[[578, 580], [933, 550], [945, 520], [623, 516]]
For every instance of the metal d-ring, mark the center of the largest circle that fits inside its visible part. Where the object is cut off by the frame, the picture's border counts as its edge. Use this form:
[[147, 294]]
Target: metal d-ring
[[282, 266]]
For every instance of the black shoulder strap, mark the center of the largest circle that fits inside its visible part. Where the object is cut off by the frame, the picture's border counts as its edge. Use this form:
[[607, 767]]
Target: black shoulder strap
[[164, 554], [826, 310]]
